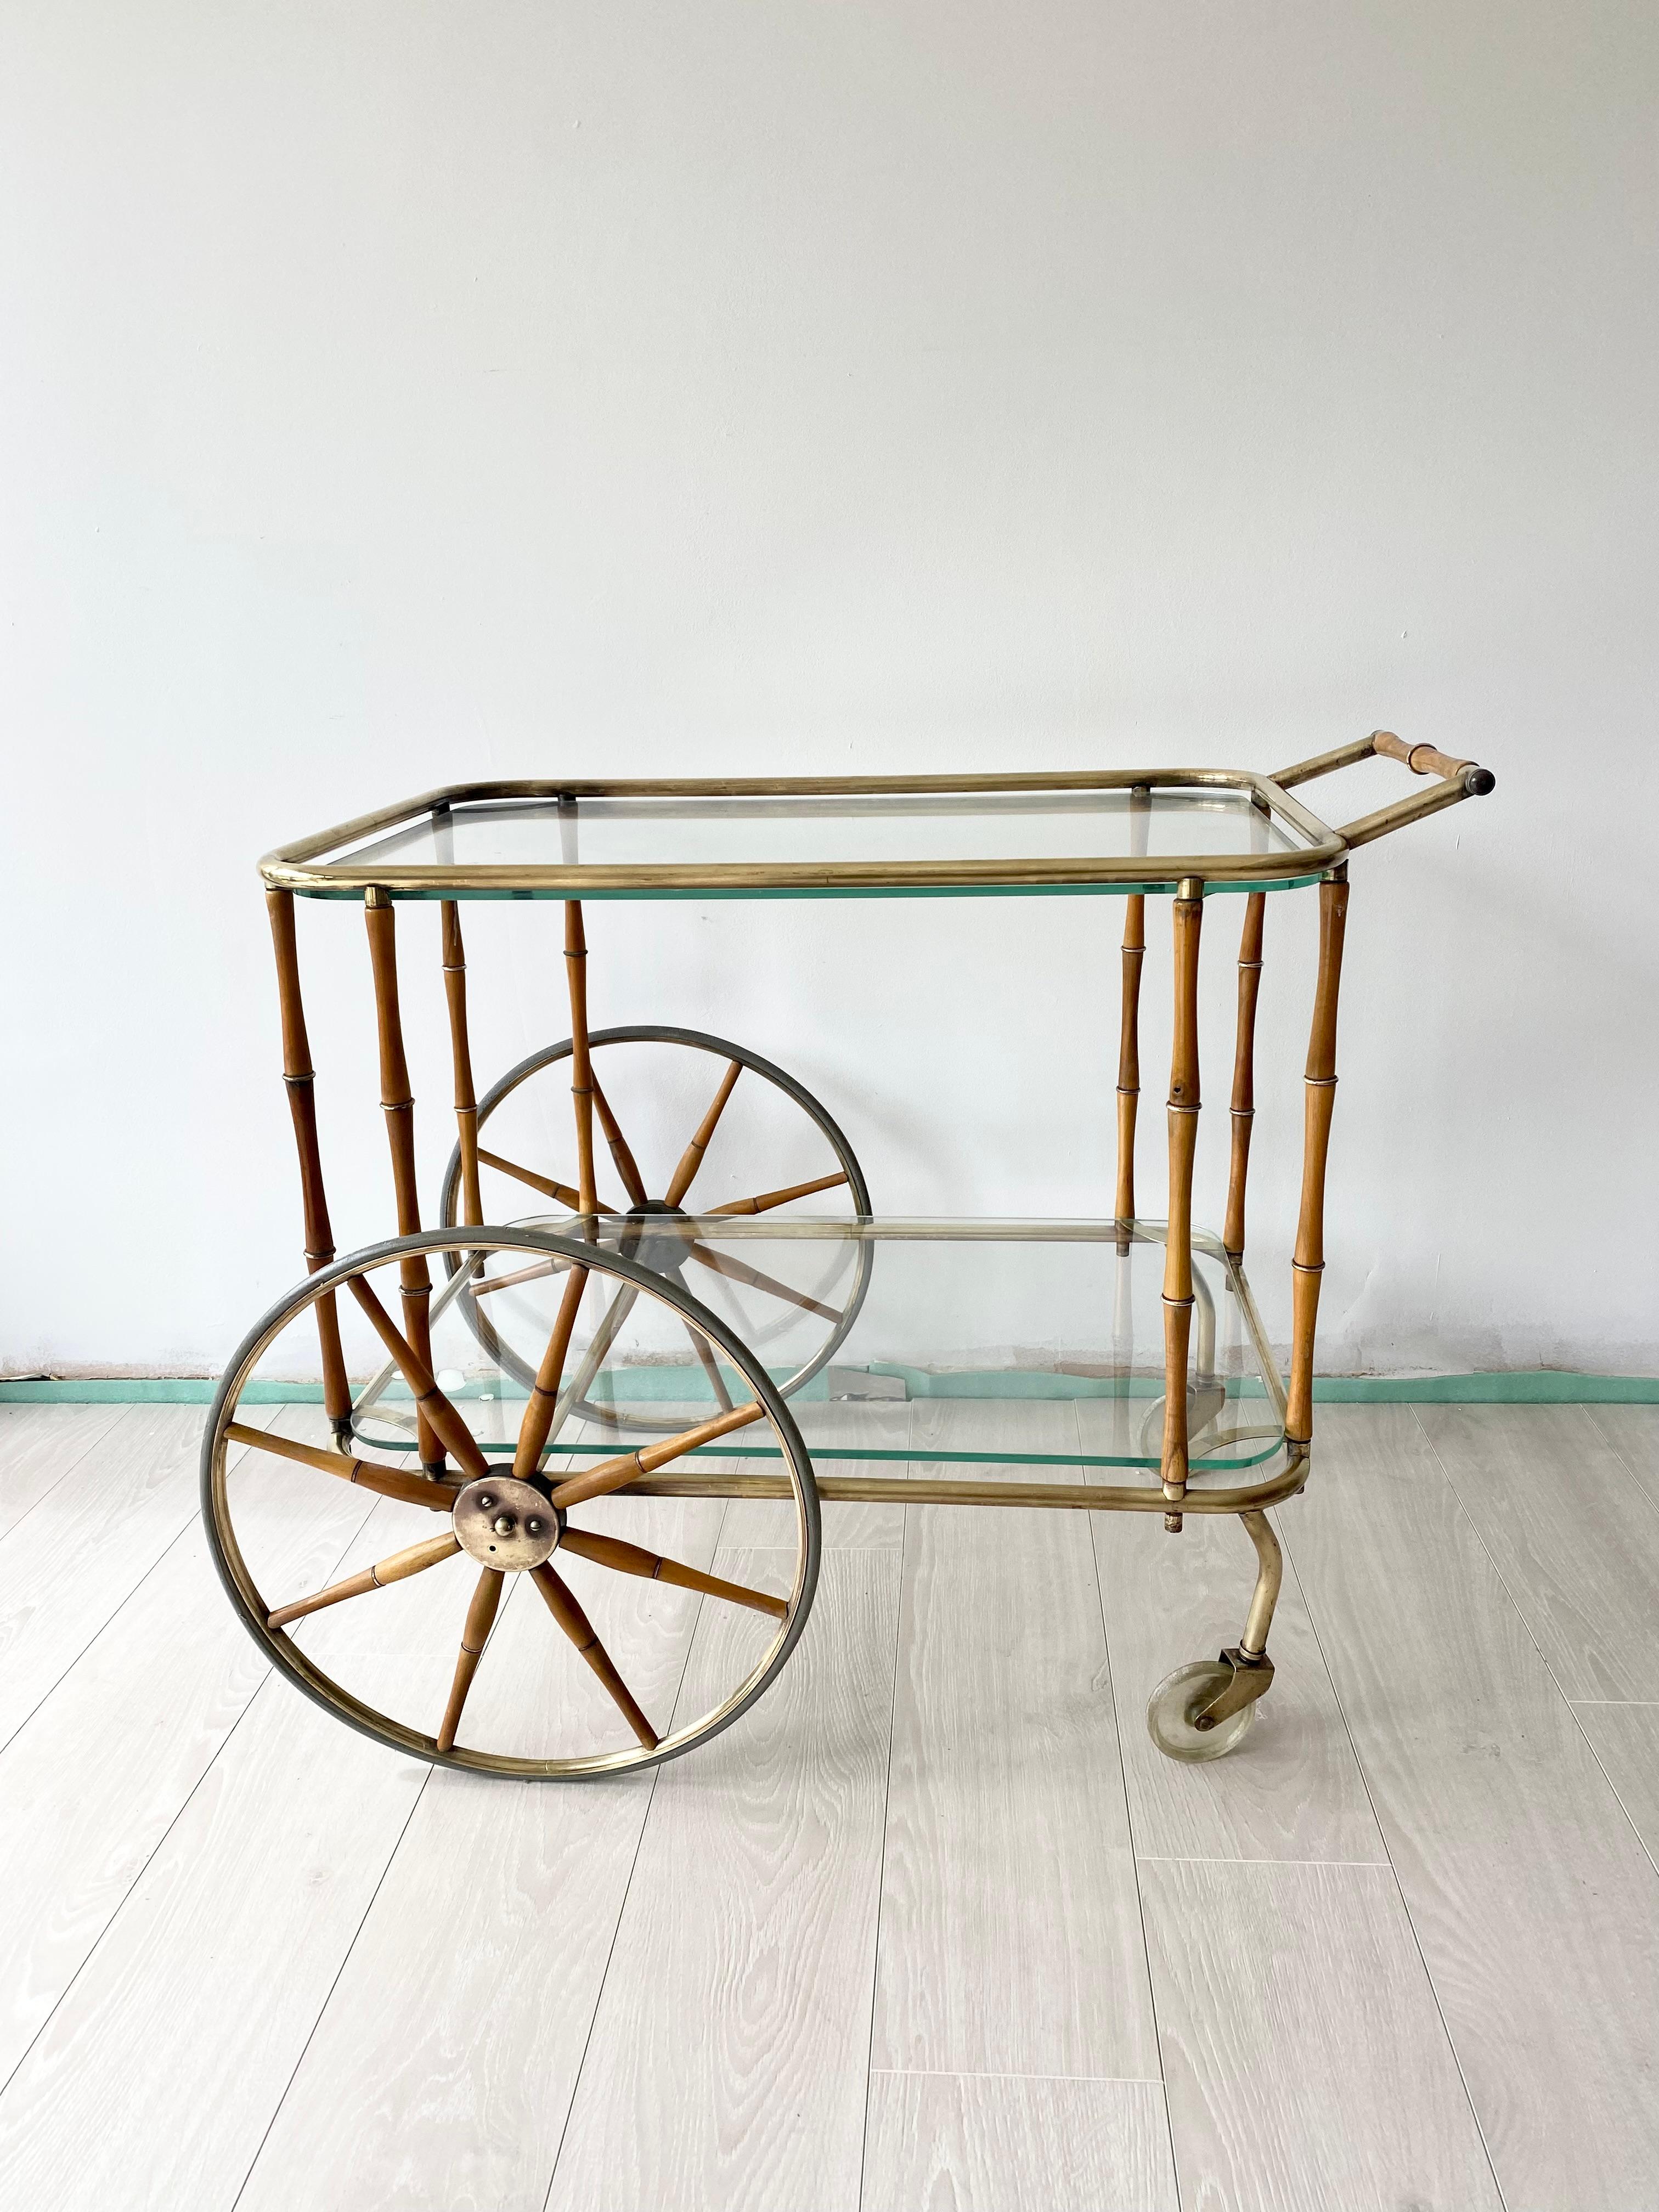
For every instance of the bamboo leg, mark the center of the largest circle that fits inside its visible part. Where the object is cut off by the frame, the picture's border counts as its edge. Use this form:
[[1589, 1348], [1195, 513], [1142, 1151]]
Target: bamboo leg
[[466, 1103], [582, 1077], [1128, 1063], [1244, 1107], [1183, 1144], [480, 1620], [300, 1080], [398, 1107], [1319, 1099]]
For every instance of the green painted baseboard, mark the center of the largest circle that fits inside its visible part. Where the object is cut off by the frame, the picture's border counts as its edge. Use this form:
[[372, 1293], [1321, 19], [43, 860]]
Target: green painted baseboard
[[1528, 1386]]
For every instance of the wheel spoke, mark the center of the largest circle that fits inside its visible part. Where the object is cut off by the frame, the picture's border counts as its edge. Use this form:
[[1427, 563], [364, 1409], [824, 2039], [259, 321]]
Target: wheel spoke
[[632, 1181], [616, 1474], [543, 1404], [768, 1199], [368, 1397], [480, 1620], [484, 1288], [546, 1184], [633, 1559], [710, 1368], [595, 1356], [738, 1271], [691, 1158], [446, 1422], [384, 1481], [578, 1627], [397, 1569]]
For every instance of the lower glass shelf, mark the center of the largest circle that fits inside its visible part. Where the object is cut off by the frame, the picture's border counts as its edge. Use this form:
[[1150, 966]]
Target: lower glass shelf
[[900, 1345]]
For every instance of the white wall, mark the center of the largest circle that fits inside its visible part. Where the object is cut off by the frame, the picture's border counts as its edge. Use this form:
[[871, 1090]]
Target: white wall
[[396, 393]]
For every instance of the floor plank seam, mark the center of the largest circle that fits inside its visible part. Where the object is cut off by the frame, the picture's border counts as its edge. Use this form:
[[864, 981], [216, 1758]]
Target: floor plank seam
[[1135, 1861], [93, 1948], [965, 2073], [69, 1467], [1543, 1657], [1400, 1887], [870, 2069], [345, 1960], [622, 1902], [102, 1629], [1169, 1858]]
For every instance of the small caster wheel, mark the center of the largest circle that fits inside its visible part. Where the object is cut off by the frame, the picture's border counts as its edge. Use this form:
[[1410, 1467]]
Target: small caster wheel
[[1178, 1696]]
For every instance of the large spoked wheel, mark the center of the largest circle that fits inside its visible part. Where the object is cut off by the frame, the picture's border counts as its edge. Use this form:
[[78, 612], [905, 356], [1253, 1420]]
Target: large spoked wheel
[[671, 1090], [548, 1606]]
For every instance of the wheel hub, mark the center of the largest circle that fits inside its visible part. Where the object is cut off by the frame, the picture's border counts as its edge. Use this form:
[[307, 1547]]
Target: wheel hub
[[666, 1252], [504, 1523]]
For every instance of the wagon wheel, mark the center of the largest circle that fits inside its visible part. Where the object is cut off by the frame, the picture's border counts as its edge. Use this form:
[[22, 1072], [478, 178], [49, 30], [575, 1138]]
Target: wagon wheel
[[698, 1139], [534, 1611]]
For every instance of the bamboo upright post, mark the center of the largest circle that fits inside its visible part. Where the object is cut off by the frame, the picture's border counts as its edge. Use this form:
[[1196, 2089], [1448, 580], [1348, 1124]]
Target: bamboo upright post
[[1189, 917], [1129, 1047], [1128, 1061], [398, 1106], [1319, 1096], [299, 1078], [581, 1079], [1243, 1106], [460, 1046]]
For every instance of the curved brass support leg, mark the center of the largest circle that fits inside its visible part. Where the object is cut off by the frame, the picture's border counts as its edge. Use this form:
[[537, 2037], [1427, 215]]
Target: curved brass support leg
[[1252, 1670]]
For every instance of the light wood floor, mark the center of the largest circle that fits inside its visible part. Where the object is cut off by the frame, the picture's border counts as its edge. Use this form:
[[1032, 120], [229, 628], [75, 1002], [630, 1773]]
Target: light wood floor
[[933, 1927]]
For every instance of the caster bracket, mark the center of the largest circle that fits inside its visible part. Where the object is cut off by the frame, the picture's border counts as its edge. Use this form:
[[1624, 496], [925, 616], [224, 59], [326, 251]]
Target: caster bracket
[[1250, 1677]]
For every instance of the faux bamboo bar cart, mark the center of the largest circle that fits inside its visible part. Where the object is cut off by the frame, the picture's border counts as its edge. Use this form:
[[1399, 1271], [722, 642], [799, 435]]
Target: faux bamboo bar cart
[[656, 1298]]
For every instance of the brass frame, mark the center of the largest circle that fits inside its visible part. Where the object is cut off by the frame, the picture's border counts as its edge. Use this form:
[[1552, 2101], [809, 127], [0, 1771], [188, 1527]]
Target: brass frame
[[1321, 856], [297, 866]]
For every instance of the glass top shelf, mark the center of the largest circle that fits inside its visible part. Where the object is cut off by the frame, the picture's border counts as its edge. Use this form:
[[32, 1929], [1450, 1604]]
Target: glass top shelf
[[917, 836]]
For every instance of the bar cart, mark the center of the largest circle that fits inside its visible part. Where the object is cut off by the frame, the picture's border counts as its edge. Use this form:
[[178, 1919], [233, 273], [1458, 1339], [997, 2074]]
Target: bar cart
[[656, 1299]]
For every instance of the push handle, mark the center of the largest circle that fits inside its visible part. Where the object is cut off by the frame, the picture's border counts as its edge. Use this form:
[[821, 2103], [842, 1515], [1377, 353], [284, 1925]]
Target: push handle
[[1457, 779], [1424, 760]]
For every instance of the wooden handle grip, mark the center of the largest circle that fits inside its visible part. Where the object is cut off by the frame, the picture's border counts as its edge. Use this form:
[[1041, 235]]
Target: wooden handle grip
[[1424, 760]]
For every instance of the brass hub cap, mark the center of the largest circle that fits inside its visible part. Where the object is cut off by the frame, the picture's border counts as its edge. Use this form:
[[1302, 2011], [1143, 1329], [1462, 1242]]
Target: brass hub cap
[[504, 1523]]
